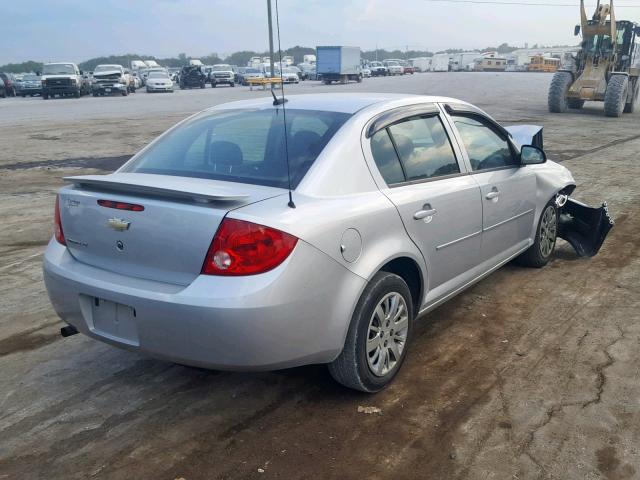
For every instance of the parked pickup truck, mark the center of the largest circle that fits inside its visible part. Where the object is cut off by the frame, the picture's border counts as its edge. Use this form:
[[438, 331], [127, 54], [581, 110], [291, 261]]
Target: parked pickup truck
[[110, 79], [222, 74], [62, 79], [338, 64]]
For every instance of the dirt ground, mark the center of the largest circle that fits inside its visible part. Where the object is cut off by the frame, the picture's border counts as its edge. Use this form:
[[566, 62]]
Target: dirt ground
[[531, 374]]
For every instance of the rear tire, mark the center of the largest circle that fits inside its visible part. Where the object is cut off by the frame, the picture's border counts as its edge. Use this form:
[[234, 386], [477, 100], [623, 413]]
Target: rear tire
[[368, 360], [557, 99], [630, 106], [45, 96], [616, 95], [539, 254], [575, 103]]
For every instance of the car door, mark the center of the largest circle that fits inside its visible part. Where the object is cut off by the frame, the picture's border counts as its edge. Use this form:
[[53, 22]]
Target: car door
[[508, 191], [439, 203]]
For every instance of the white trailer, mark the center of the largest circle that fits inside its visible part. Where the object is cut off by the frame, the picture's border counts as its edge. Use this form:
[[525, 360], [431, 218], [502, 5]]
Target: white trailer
[[421, 64], [310, 59], [440, 62]]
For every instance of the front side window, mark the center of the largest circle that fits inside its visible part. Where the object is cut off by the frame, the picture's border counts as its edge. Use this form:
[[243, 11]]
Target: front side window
[[245, 146], [486, 149]]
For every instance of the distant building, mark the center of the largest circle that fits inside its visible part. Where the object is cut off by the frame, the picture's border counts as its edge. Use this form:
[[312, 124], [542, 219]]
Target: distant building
[[490, 62]]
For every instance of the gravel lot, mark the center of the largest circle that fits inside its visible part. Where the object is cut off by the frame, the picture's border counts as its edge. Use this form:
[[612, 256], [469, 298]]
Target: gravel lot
[[529, 374]]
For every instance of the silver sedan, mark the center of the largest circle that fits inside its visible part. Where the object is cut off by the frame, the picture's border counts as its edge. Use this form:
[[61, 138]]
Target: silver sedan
[[249, 237]]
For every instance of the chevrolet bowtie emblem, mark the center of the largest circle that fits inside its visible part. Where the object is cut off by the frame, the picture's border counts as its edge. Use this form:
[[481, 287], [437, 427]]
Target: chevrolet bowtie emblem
[[118, 224]]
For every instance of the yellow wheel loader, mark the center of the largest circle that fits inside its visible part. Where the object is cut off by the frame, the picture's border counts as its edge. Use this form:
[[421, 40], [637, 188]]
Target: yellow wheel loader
[[606, 68]]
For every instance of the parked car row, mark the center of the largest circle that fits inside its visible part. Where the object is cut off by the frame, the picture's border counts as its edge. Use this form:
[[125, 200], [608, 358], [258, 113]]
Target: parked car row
[[389, 67]]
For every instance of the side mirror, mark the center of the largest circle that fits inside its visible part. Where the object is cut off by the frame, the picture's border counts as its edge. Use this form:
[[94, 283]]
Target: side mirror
[[576, 31], [81, 72], [530, 155]]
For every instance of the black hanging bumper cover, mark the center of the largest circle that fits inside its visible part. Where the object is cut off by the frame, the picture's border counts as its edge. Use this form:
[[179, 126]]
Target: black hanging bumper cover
[[584, 227]]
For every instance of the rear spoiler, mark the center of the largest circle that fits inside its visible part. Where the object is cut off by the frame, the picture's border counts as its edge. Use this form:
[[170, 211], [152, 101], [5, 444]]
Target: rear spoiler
[[181, 188], [527, 135]]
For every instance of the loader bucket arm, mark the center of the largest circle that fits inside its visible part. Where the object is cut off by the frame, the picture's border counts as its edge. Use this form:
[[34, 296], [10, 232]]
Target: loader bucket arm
[[584, 227]]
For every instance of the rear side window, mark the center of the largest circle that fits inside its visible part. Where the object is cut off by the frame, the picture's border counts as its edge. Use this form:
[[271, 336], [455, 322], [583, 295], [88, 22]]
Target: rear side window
[[386, 158], [486, 149], [246, 146], [414, 149]]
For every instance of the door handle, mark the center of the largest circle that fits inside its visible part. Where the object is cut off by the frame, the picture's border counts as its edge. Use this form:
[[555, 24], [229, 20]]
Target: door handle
[[492, 194], [420, 214]]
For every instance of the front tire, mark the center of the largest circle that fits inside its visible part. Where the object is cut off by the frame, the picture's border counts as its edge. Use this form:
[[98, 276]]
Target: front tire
[[539, 254], [616, 95], [380, 329], [557, 99]]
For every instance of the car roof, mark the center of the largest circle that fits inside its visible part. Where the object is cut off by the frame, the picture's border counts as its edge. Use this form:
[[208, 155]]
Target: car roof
[[334, 102]]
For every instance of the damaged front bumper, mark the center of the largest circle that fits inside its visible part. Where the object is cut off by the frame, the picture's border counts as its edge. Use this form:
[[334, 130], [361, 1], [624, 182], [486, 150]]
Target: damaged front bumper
[[584, 227]]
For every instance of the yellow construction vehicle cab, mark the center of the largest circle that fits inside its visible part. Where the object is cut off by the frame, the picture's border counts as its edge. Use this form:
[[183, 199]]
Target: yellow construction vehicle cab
[[606, 68]]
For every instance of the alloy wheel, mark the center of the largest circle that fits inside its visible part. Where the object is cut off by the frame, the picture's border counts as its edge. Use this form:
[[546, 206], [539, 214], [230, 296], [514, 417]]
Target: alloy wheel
[[548, 231], [387, 334]]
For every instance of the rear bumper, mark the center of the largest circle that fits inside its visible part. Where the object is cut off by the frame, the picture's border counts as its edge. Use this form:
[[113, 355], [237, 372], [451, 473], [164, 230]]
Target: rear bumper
[[295, 314], [29, 91]]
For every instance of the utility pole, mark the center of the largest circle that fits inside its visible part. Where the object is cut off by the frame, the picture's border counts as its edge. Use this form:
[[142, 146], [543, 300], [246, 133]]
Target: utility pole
[[270, 40]]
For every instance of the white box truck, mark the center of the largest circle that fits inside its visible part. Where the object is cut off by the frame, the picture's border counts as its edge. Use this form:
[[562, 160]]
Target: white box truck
[[460, 61], [338, 64]]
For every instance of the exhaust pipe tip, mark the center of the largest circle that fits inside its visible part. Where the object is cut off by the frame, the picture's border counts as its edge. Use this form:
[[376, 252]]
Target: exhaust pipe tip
[[68, 331]]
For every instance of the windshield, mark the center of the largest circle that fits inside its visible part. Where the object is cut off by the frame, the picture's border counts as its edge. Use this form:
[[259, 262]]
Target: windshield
[[221, 68], [59, 69], [392, 64], [106, 68], [31, 78], [245, 146], [252, 70], [158, 75]]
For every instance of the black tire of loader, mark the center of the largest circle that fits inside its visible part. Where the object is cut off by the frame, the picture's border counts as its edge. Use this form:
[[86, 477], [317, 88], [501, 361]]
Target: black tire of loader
[[616, 95], [557, 99]]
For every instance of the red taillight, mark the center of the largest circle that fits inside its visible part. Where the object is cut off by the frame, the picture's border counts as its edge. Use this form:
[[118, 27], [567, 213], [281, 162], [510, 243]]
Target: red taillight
[[121, 205], [245, 248], [57, 224]]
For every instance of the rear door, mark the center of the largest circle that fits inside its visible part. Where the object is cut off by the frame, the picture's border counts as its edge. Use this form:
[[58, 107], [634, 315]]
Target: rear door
[[508, 191], [439, 203]]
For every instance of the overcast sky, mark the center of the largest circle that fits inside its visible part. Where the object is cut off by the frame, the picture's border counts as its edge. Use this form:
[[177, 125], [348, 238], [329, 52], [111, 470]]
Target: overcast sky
[[76, 30]]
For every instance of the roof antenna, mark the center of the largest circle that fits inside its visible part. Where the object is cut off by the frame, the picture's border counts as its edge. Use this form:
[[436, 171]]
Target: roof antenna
[[281, 101]]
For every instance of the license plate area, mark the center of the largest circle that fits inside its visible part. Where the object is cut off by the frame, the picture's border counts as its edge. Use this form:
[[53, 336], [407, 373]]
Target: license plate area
[[114, 320]]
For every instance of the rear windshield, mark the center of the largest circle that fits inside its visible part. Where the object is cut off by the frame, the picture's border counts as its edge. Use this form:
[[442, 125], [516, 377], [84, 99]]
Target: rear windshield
[[245, 146]]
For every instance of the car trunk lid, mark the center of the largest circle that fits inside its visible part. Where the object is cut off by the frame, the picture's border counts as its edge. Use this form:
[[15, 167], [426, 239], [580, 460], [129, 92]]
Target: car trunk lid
[[166, 241]]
